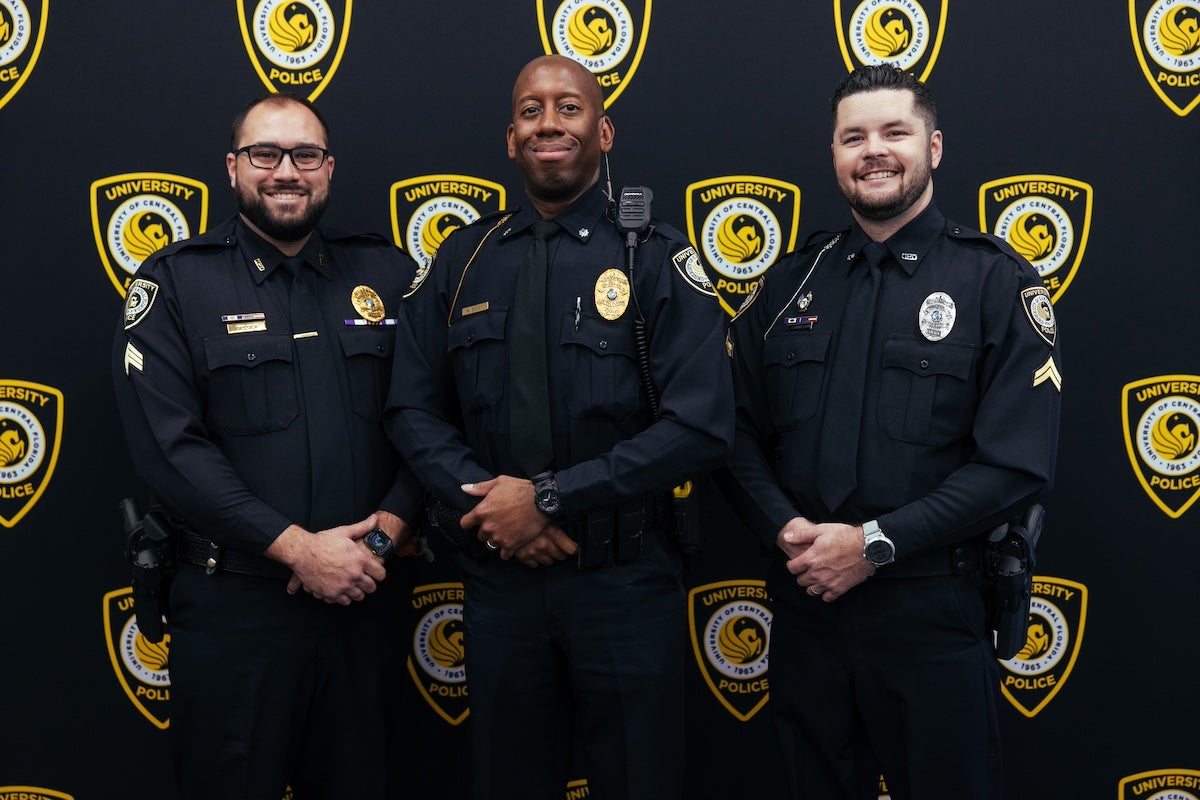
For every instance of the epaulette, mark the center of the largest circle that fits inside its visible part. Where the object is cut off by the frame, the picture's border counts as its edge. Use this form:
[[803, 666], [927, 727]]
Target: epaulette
[[965, 233], [335, 235], [818, 238]]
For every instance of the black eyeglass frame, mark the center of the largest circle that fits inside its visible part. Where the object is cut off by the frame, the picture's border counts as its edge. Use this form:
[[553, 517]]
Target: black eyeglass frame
[[283, 151]]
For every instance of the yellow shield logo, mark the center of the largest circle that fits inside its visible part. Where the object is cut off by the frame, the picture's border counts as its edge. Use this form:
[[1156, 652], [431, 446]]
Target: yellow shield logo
[[22, 29], [140, 665], [295, 45], [1166, 38], [138, 213], [740, 225], [31, 420], [897, 32], [730, 623], [1045, 218], [1057, 612], [606, 36], [428, 208], [33, 793], [1161, 417], [438, 660], [1161, 784]]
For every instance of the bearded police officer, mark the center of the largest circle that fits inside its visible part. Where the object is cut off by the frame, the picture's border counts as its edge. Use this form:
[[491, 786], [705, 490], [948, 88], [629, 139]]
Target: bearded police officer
[[898, 391], [251, 365], [516, 397]]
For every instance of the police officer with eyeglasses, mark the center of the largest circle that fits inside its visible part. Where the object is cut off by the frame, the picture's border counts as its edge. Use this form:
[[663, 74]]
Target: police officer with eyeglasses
[[251, 365]]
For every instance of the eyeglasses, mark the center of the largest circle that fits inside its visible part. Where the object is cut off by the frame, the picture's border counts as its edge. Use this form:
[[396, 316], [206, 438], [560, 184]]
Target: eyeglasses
[[268, 156]]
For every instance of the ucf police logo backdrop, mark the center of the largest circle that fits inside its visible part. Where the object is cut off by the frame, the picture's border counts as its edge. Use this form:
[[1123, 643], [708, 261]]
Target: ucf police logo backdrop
[[903, 33], [438, 661], [295, 45], [31, 419], [606, 36], [1166, 38], [1045, 218], [1057, 612], [741, 224], [31, 793], [1161, 784], [136, 214], [22, 29], [1162, 423], [730, 623], [428, 208], [140, 664]]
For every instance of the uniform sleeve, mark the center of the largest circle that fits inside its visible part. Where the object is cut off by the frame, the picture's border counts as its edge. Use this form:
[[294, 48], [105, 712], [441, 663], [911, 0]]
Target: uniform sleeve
[[1015, 432], [422, 417], [749, 480], [690, 370], [160, 407]]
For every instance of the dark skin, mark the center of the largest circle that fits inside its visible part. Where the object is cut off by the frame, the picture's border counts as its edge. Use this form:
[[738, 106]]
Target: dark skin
[[557, 137]]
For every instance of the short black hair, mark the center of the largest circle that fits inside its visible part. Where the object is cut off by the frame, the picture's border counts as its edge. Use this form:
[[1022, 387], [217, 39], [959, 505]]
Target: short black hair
[[280, 99], [885, 76]]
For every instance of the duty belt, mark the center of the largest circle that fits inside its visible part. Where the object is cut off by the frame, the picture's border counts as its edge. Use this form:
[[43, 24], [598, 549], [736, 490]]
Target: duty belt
[[960, 559], [197, 550]]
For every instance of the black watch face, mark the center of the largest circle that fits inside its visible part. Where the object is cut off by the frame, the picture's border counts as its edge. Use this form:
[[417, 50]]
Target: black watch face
[[378, 542], [879, 552], [547, 501]]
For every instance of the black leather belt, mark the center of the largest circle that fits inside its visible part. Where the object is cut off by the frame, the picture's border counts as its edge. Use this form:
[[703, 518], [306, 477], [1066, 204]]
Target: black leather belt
[[650, 514], [196, 550], [960, 559]]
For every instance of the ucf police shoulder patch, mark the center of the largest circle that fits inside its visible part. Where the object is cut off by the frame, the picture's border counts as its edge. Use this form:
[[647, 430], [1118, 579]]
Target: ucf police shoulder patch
[[138, 300], [687, 263], [1040, 311]]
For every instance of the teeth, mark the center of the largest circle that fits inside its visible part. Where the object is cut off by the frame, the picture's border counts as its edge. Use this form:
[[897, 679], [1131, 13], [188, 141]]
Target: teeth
[[882, 174]]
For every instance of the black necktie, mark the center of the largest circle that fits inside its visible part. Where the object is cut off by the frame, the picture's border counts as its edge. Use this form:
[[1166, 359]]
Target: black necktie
[[528, 387], [838, 472], [329, 457]]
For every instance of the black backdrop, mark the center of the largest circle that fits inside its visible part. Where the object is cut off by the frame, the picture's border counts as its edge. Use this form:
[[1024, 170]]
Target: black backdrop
[[97, 95]]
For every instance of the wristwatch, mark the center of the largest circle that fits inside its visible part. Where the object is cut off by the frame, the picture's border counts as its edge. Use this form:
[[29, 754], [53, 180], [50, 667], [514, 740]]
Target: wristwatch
[[545, 494], [877, 548], [380, 544]]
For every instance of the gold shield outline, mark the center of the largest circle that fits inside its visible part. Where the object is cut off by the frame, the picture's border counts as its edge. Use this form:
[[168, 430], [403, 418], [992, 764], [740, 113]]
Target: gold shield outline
[[1139, 47], [1075, 648], [414, 670], [1125, 790], [27, 67], [849, 59], [252, 51], [702, 662], [116, 275], [399, 227], [111, 600], [643, 36], [36, 793], [52, 460], [1127, 428], [1086, 225]]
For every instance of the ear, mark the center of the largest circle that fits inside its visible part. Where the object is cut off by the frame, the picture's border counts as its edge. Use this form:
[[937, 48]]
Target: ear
[[329, 162], [607, 132], [231, 168], [935, 149], [511, 136]]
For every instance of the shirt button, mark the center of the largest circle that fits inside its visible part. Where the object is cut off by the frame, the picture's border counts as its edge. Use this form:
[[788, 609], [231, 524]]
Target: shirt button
[[791, 356], [470, 337], [603, 344], [251, 356], [381, 348], [924, 364]]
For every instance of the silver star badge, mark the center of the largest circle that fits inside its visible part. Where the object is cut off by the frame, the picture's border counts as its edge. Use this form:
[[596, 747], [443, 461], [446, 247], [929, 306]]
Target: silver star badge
[[584, 233]]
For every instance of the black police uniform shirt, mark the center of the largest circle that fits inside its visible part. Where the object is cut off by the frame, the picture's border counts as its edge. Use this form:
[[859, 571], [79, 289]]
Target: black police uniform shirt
[[448, 406], [214, 416], [958, 433]]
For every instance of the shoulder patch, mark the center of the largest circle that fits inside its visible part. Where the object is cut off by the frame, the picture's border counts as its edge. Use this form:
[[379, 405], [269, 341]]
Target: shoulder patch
[[687, 263], [138, 299], [1040, 311], [419, 277]]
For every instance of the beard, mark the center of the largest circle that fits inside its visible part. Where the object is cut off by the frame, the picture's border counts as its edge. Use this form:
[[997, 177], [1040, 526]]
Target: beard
[[890, 207], [292, 229]]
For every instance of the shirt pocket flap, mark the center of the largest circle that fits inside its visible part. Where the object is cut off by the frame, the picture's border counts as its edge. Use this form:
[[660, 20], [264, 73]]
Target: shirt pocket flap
[[602, 338], [469, 331], [358, 342], [929, 358], [246, 351], [795, 348]]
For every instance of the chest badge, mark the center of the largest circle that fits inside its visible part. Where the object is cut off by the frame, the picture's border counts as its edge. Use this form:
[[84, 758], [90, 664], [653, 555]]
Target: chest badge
[[612, 294], [367, 303], [936, 317]]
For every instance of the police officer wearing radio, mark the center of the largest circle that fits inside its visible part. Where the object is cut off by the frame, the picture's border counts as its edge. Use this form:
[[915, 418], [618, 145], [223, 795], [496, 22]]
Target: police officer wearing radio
[[574, 601], [251, 366], [898, 391]]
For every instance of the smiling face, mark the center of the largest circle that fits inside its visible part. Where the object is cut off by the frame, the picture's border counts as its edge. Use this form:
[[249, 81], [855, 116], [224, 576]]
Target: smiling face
[[884, 156], [559, 131], [284, 204]]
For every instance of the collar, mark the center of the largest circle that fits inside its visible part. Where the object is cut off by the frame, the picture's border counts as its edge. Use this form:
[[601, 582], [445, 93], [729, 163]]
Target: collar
[[263, 258], [580, 220], [909, 245]]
